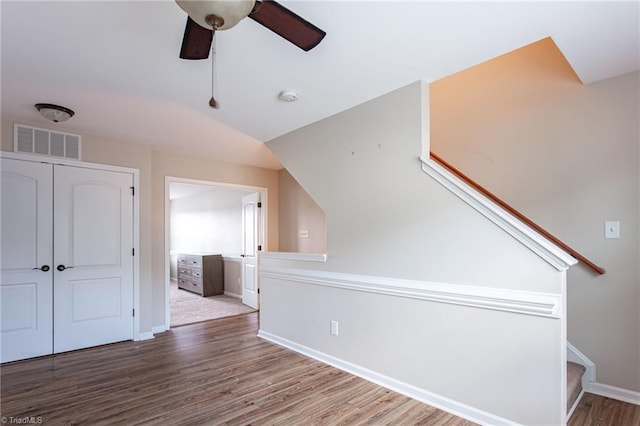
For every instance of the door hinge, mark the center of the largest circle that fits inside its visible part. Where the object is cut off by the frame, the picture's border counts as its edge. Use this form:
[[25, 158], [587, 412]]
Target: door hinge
[[259, 248], [258, 291], [259, 204], [133, 190], [133, 252], [134, 312]]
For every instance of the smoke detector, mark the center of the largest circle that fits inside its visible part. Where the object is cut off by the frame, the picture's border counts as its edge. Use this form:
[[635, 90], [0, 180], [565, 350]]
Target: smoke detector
[[288, 96]]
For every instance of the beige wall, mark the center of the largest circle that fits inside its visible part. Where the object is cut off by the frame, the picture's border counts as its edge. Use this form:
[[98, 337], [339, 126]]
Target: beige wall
[[175, 165], [233, 275], [297, 212], [387, 218], [154, 166], [378, 202], [567, 156]]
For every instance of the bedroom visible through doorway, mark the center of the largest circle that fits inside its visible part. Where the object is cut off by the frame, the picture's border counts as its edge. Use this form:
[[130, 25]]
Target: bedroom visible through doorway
[[205, 239]]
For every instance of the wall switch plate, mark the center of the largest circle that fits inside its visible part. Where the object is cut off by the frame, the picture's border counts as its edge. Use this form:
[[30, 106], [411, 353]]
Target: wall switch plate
[[334, 327], [612, 229]]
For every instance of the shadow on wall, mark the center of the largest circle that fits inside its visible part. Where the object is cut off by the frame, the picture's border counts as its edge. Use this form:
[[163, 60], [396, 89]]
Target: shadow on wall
[[302, 223]]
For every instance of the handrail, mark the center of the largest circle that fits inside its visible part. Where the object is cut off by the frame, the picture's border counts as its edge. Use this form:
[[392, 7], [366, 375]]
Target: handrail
[[600, 270]]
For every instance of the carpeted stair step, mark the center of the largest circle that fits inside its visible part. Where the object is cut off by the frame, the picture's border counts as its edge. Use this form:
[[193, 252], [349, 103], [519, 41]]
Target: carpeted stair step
[[574, 382]]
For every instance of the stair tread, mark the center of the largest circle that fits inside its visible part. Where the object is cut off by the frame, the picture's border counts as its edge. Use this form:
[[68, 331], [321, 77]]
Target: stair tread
[[575, 372]]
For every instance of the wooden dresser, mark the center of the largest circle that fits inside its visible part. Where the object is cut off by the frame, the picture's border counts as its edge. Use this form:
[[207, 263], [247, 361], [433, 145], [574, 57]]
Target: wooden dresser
[[201, 273]]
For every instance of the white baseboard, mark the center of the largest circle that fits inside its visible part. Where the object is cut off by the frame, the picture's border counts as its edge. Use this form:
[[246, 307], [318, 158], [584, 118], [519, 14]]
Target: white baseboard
[[237, 296], [147, 335], [613, 392], [589, 383], [429, 398], [159, 329]]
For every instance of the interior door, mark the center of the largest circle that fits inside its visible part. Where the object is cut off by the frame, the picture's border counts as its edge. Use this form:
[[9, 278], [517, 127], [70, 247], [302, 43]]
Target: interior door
[[26, 295], [250, 245], [93, 257]]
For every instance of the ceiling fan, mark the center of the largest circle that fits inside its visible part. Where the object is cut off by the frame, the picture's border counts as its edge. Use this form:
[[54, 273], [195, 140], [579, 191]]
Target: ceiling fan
[[207, 16]]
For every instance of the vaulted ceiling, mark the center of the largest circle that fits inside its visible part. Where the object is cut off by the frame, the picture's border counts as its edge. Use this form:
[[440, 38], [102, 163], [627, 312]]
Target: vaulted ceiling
[[116, 63]]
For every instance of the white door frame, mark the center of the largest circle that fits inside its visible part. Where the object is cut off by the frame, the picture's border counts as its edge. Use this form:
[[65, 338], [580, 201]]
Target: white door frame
[[168, 180], [136, 215]]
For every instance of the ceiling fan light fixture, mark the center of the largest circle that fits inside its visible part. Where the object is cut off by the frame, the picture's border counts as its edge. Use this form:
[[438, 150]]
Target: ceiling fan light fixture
[[230, 12], [55, 113]]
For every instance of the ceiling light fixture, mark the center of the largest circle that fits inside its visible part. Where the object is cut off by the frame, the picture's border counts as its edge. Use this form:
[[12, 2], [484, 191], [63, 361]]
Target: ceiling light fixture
[[219, 15], [55, 113], [288, 96]]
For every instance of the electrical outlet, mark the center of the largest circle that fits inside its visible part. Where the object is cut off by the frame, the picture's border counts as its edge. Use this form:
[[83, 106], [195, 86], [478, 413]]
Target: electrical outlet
[[303, 234], [334, 327], [612, 229]]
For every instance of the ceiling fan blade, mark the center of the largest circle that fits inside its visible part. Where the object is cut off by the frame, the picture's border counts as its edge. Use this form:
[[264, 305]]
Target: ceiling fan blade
[[287, 24], [196, 42]]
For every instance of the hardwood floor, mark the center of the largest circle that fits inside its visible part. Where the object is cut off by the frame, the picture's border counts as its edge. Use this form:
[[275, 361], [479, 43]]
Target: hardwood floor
[[598, 410], [214, 373], [219, 373]]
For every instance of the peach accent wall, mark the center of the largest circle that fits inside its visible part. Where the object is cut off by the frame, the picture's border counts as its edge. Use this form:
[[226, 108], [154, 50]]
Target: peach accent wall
[[567, 156]]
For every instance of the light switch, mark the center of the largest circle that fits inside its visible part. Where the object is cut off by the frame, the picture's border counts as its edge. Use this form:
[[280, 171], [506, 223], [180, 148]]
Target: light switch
[[612, 229]]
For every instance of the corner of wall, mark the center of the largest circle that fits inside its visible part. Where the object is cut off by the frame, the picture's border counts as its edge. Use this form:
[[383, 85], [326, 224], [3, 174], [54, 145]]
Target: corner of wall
[[426, 120]]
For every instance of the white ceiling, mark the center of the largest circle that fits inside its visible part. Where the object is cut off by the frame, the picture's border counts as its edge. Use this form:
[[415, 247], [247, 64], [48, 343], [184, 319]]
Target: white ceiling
[[116, 63], [180, 190]]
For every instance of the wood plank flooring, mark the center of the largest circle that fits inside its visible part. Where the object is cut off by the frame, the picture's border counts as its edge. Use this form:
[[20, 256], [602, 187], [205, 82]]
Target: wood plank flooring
[[211, 373], [598, 410], [219, 373]]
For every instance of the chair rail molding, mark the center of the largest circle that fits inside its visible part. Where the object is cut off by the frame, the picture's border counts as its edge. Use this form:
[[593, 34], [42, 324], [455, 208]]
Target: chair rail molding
[[301, 257], [517, 301]]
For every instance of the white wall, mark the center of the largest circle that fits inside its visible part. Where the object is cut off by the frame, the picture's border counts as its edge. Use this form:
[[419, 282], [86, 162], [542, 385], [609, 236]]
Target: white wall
[[206, 222], [386, 218]]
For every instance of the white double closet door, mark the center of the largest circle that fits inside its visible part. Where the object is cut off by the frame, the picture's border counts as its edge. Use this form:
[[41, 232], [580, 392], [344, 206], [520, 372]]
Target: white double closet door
[[67, 260]]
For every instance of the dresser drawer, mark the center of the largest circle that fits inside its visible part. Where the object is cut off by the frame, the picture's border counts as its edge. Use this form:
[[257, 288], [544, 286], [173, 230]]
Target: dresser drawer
[[189, 260], [190, 285], [184, 271], [195, 261]]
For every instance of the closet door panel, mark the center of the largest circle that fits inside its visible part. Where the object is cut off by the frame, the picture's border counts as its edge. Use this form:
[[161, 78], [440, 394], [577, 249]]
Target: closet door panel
[[26, 293], [93, 237]]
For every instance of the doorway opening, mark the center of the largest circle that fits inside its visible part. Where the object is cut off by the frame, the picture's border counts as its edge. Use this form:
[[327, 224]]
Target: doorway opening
[[206, 251]]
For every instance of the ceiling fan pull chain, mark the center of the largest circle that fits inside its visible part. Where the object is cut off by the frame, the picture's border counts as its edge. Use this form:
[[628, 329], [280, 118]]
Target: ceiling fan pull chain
[[212, 102]]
